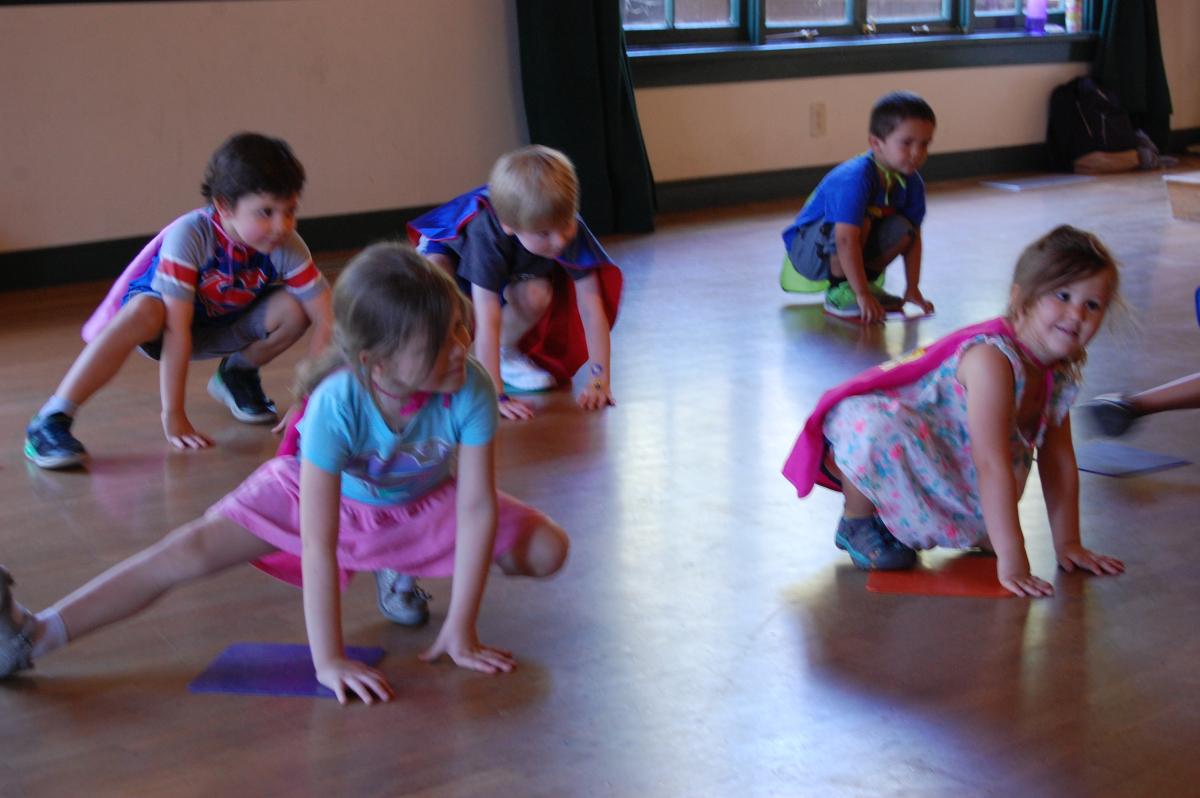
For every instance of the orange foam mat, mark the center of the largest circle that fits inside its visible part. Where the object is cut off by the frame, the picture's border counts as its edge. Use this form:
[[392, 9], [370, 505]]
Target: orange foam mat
[[943, 574]]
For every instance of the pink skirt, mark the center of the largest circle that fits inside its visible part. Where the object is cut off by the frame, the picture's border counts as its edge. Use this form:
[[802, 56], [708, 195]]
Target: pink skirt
[[415, 538]]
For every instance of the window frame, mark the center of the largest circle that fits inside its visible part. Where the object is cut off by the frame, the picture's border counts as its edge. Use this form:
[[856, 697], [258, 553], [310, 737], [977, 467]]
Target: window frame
[[720, 60], [749, 25]]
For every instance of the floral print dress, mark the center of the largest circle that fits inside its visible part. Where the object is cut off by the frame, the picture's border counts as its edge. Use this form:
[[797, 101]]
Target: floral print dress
[[908, 449]]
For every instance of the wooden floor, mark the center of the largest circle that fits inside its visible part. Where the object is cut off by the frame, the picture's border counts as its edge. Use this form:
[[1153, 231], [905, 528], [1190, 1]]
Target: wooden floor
[[706, 638]]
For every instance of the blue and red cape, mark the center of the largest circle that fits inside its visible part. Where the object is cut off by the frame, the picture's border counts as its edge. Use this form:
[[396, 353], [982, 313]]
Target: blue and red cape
[[557, 342]]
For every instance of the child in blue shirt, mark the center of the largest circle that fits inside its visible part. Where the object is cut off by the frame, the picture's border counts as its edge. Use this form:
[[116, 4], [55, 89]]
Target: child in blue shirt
[[545, 291], [868, 211], [230, 280]]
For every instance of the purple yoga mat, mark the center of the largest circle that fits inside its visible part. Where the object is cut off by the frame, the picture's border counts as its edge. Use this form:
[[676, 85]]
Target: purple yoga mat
[[271, 669], [1116, 460]]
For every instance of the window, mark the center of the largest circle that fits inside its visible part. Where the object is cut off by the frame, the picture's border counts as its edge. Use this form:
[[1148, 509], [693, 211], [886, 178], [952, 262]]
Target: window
[[1007, 14], [664, 22]]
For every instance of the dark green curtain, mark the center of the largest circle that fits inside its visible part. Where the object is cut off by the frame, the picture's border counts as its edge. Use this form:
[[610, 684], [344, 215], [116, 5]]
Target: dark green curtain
[[1129, 62], [579, 99]]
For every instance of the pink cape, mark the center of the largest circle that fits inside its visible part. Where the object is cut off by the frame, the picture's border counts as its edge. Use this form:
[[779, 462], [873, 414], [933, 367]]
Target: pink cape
[[111, 303], [803, 466]]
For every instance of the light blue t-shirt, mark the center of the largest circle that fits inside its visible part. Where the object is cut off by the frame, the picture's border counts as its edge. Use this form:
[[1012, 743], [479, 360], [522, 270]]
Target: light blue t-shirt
[[342, 431]]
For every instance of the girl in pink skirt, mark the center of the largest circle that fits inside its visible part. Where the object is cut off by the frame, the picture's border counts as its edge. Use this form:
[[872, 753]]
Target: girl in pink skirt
[[391, 409]]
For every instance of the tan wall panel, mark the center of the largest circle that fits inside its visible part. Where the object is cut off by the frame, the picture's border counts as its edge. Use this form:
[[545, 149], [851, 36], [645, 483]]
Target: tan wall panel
[[110, 111], [1179, 22], [731, 128]]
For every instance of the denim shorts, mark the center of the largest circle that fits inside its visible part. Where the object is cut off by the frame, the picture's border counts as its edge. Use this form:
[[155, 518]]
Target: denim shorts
[[814, 244], [230, 334]]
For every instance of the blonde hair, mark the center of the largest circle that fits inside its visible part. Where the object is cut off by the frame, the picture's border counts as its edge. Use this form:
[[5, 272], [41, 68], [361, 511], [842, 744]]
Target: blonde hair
[[389, 297], [534, 188], [1064, 255]]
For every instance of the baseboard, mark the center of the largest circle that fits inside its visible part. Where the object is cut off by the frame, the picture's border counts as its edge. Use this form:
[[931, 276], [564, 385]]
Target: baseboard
[[709, 192], [1179, 140], [688, 195]]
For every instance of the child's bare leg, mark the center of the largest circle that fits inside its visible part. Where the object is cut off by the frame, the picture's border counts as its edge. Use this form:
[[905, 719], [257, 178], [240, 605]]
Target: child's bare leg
[[857, 504], [880, 262], [527, 301], [200, 548], [540, 552], [1180, 394], [835, 264], [865, 538], [835, 267], [285, 321], [139, 321]]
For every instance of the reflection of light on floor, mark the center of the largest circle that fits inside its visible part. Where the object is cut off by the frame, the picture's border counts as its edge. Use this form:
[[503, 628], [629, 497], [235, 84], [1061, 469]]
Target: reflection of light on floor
[[699, 556]]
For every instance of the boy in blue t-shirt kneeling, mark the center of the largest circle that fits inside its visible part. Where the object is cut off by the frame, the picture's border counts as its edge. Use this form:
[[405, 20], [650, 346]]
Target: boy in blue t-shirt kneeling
[[867, 212]]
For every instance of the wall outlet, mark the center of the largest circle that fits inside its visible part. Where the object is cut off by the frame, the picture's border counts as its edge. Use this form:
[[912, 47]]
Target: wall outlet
[[816, 120]]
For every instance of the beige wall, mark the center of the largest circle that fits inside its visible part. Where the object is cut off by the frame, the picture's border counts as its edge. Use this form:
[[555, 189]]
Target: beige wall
[[731, 128], [1179, 26], [736, 128], [108, 111]]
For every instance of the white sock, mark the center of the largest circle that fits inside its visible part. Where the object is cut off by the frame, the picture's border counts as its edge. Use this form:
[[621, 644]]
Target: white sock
[[53, 633]]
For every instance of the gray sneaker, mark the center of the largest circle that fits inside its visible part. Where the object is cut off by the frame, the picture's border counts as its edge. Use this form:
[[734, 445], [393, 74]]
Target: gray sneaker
[[1109, 415], [16, 639], [401, 599], [871, 547]]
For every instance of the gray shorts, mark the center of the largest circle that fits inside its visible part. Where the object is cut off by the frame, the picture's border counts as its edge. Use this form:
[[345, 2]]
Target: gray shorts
[[814, 244], [230, 335]]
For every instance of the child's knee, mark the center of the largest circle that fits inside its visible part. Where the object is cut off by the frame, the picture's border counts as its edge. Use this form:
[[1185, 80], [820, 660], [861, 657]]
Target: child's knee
[[555, 547], [532, 297], [287, 317], [540, 552], [897, 232], [143, 317], [185, 552]]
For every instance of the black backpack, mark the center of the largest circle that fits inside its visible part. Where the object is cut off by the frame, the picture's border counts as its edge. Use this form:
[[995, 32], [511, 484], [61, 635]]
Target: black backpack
[[1084, 119]]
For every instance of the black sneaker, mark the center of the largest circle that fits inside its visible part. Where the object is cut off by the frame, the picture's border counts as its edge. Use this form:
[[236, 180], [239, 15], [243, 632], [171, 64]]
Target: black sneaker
[[50, 444], [241, 391]]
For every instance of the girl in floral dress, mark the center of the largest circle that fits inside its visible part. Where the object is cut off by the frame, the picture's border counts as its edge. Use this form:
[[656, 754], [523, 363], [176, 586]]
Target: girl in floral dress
[[934, 449]]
